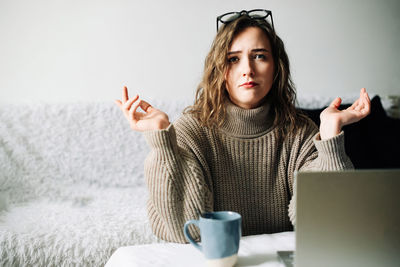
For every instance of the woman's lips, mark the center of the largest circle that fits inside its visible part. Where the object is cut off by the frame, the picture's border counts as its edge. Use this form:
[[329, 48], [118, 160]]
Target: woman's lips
[[249, 84]]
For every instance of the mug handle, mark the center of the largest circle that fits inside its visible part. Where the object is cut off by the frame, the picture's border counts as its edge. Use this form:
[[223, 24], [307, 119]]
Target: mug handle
[[187, 234]]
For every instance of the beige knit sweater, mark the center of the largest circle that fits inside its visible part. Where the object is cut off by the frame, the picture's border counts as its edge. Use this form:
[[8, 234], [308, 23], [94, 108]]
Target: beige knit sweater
[[239, 167]]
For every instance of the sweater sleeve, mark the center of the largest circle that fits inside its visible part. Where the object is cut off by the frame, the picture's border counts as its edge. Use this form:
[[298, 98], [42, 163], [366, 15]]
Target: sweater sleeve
[[176, 184], [331, 155], [319, 155]]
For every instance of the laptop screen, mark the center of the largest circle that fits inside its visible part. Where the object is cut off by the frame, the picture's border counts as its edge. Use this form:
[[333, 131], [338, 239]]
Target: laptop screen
[[348, 218]]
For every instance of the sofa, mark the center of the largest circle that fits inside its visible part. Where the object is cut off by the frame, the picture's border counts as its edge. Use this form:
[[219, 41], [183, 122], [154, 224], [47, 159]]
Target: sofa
[[72, 187]]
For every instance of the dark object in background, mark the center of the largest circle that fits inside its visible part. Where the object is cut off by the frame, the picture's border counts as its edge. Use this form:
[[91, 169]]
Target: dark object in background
[[373, 142]]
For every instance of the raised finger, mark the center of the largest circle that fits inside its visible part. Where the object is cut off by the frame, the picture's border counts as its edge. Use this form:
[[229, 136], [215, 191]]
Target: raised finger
[[133, 109], [129, 103], [366, 97], [367, 103], [124, 108], [125, 96], [369, 100], [363, 95]]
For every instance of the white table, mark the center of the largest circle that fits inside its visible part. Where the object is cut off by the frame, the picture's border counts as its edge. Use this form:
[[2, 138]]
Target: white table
[[258, 250]]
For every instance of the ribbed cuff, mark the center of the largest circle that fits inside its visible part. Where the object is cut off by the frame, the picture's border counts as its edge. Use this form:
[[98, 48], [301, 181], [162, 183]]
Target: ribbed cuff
[[332, 152], [334, 145], [161, 139]]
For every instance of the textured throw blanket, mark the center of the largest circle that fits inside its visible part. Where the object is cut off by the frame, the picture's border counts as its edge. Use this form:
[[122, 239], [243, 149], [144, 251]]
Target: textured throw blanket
[[72, 188]]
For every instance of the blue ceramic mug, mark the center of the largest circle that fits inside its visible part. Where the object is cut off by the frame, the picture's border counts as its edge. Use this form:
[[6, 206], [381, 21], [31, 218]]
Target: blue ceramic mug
[[220, 234]]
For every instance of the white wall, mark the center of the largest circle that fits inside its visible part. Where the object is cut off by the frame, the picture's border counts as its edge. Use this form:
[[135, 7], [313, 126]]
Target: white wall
[[83, 50]]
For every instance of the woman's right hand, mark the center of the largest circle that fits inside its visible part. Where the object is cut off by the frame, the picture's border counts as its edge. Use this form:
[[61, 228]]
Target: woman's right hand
[[150, 119]]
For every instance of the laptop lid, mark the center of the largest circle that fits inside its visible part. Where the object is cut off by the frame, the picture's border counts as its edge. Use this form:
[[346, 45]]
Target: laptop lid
[[348, 218]]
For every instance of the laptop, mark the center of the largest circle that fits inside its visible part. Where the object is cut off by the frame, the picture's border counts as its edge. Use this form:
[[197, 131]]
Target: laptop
[[347, 218]]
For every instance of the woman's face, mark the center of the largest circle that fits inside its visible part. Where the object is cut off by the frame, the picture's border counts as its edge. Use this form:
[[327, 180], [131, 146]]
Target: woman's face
[[250, 68]]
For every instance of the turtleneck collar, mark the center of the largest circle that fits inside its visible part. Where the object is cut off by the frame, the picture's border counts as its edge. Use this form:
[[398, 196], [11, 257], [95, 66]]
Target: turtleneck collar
[[247, 123]]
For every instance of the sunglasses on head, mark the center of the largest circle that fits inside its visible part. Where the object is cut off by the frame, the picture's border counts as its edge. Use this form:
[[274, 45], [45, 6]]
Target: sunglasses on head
[[254, 14]]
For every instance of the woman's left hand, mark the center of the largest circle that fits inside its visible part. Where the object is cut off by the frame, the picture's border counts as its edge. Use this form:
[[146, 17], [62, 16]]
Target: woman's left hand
[[333, 119]]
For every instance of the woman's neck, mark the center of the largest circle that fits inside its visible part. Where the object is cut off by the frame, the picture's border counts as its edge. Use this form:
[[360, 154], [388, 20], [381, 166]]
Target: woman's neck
[[247, 123]]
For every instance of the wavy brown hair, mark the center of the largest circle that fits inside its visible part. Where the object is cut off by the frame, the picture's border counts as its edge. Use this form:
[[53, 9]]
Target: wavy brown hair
[[211, 93]]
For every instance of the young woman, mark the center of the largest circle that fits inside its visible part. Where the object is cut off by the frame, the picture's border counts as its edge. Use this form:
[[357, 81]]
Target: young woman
[[239, 145]]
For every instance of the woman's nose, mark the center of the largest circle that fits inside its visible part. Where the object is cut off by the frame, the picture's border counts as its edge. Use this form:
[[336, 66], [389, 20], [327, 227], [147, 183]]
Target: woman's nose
[[247, 68]]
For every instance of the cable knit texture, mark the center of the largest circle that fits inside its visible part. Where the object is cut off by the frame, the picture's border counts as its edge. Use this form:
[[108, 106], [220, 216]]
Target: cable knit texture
[[239, 167]]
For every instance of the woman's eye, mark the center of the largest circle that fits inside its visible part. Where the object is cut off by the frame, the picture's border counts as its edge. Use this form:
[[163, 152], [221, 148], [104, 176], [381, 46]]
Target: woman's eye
[[260, 56], [233, 59]]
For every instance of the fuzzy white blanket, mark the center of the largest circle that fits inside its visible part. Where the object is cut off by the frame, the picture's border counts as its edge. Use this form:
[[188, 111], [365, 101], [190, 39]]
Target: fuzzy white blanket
[[72, 188], [71, 184]]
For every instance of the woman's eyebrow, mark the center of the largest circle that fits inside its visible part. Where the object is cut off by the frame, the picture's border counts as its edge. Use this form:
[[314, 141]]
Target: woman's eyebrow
[[260, 50], [234, 52], [253, 51]]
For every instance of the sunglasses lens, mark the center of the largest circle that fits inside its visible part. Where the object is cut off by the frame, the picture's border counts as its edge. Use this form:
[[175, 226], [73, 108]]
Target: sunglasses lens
[[229, 17], [258, 14]]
